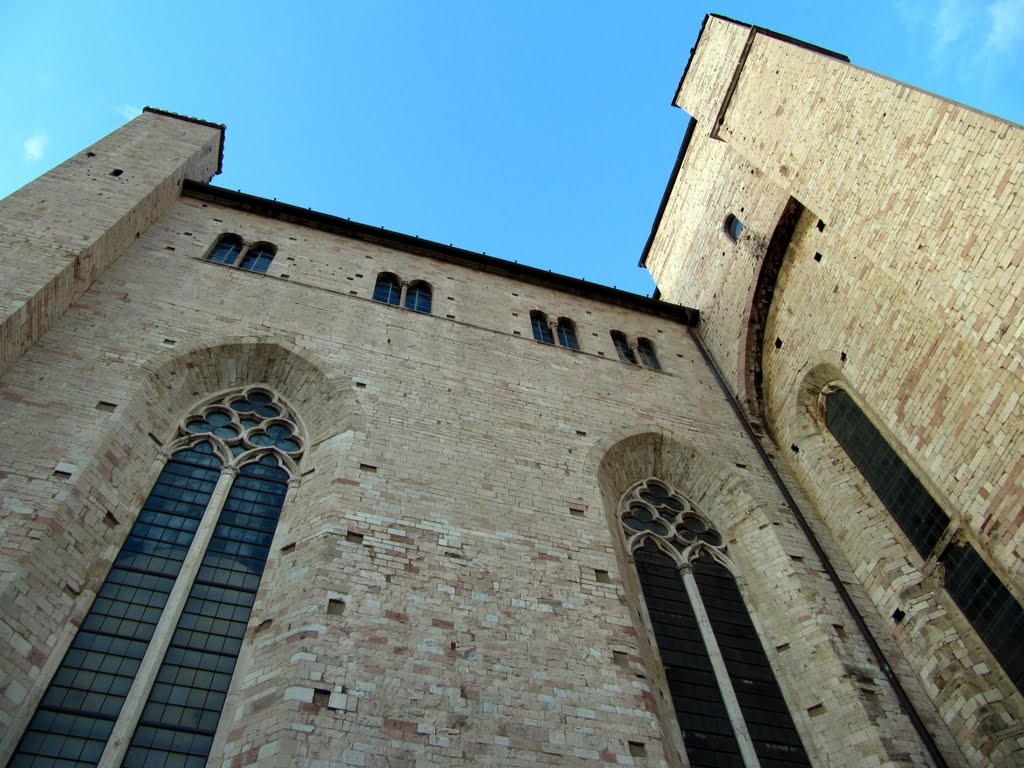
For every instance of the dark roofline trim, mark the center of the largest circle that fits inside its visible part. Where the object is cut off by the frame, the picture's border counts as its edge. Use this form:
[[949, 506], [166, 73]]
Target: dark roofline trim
[[430, 249], [762, 31], [687, 137], [691, 127], [219, 126]]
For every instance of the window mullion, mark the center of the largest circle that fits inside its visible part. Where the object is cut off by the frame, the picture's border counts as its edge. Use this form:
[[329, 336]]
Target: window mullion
[[131, 711], [732, 704]]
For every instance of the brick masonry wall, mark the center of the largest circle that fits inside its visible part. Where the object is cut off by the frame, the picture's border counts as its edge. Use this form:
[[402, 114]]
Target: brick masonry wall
[[908, 292], [454, 504]]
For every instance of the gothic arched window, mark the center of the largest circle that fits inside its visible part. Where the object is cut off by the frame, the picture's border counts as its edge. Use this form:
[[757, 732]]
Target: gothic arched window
[[226, 250], [210, 518], [541, 329], [419, 297], [258, 257], [728, 706], [388, 289], [567, 334]]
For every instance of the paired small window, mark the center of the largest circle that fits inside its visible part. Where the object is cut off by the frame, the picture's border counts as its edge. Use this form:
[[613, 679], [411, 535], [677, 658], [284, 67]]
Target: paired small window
[[417, 296], [232, 251], [564, 330], [644, 348]]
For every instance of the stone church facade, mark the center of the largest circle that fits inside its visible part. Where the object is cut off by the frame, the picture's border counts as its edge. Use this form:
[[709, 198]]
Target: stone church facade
[[282, 489]]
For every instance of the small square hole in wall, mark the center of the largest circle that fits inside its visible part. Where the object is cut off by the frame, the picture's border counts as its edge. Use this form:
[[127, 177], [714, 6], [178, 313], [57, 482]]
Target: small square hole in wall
[[621, 659], [116, 172], [840, 630], [515, 314], [368, 468], [778, 343], [783, 647], [109, 520], [90, 154], [821, 225], [516, 333], [637, 749], [817, 257], [898, 615], [321, 697], [335, 607], [450, 317], [354, 538], [603, 577], [103, 405]]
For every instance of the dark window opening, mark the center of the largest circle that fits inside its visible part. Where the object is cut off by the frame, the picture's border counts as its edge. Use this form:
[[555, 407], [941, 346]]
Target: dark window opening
[[226, 250], [645, 349], [622, 347], [985, 601], [902, 494], [988, 605], [419, 297], [388, 289], [258, 258], [567, 334], [733, 227], [663, 533], [541, 329]]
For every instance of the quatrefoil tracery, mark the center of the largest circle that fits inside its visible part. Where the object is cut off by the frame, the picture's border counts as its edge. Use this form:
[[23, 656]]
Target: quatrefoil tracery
[[652, 509], [247, 420]]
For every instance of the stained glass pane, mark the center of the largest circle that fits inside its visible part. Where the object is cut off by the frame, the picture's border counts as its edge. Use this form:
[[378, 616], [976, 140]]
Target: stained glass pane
[[180, 717], [85, 696]]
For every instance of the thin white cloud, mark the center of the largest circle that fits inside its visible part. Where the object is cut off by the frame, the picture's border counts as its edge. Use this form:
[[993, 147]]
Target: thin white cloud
[[129, 112], [34, 146], [949, 23], [1007, 30]]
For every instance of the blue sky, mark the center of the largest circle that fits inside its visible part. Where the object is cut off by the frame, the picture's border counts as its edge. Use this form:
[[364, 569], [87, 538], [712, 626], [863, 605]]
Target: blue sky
[[540, 132]]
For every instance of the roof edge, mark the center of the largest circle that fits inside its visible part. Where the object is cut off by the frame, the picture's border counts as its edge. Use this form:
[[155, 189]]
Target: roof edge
[[691, 127], [198, 121], [430, 249]]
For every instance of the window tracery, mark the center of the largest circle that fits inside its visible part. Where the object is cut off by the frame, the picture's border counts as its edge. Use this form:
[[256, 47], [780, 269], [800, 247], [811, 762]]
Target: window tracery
[[727, 703], [209, 521]]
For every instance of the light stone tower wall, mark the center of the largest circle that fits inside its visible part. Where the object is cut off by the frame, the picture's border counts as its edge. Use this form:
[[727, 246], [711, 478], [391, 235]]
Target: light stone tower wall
[[447, 585], [881, 253]]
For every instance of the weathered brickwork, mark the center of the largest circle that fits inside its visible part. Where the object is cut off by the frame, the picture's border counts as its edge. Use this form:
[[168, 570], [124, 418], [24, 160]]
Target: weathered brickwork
[[899, 280], [448, 585]]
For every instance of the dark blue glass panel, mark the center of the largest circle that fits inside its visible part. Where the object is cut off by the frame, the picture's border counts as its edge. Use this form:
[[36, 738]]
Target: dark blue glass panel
[[418, 298], [769, 723], [226, 250], [388, 290], [899, 490], [180, 718], [541, 329], [257, 259], [707, 733], [988, 605], [85, 696], [567, 335]]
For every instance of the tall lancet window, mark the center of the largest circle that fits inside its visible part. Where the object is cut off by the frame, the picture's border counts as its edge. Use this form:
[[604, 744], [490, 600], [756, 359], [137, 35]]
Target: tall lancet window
[[729, 707], [177, 599]]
